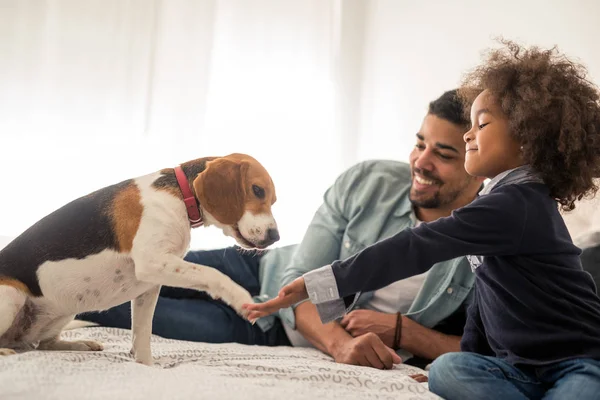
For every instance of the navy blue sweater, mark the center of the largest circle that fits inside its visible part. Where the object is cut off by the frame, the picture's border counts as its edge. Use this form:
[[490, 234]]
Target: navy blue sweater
[[533, 303]]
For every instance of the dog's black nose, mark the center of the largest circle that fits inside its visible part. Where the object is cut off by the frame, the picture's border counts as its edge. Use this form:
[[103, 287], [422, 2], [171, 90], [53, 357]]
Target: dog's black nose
[[272, 235]]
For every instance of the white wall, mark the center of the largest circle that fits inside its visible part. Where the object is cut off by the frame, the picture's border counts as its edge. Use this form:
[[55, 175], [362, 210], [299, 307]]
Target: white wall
[[415, 50]]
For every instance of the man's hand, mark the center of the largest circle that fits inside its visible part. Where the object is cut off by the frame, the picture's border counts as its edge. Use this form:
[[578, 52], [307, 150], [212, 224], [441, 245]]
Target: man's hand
[[366, 350], [360, 322], [288, 295]]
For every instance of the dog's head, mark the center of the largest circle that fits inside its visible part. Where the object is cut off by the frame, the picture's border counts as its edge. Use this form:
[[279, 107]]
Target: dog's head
[[236, 194]]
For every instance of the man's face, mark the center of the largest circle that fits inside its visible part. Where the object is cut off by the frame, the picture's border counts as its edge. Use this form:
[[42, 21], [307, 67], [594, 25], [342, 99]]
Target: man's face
[[439, 179]]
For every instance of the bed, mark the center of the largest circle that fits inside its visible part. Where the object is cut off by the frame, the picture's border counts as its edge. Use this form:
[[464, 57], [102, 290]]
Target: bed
[[188, 370]]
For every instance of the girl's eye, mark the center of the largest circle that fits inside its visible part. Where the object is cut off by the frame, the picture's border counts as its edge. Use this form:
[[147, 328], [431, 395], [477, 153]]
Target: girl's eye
[[482, 126]]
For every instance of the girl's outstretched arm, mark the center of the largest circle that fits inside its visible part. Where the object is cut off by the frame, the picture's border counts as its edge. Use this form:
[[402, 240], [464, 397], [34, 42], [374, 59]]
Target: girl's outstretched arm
[[491, 225], [289, 295]]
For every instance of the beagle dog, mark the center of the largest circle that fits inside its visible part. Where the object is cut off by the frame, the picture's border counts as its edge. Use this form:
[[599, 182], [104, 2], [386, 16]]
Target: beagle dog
[[122, 242]]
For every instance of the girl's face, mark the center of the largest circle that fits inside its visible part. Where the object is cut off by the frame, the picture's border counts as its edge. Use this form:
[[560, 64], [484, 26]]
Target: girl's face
[[490, 148]]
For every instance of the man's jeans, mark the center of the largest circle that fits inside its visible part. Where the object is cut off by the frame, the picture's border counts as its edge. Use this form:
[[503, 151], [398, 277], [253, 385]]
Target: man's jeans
[[187, 314], [473, 376]]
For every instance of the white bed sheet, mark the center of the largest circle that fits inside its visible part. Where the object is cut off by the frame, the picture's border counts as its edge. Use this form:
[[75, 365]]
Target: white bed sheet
[[187, 370]]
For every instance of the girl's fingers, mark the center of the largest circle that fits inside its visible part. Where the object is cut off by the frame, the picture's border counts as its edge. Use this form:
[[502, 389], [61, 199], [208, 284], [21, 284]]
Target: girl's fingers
[[288, 295]]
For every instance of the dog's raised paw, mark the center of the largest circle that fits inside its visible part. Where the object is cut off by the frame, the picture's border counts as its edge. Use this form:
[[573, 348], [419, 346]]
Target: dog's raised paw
[[233, 295], [240, 298]]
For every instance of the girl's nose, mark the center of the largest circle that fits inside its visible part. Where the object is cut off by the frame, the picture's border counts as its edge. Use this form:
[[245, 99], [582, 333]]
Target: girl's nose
[[467, 137]]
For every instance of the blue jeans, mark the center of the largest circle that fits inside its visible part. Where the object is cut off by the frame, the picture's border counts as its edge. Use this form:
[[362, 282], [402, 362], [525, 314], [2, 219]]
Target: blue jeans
[[473, 376], [187, 314]]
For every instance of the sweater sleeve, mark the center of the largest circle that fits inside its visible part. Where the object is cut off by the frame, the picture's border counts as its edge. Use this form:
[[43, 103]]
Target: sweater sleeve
[[492, 224]]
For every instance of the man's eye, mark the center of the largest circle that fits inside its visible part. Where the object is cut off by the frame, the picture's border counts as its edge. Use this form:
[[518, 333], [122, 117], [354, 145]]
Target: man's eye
[[446, 157], [419, 146], [258, 191]]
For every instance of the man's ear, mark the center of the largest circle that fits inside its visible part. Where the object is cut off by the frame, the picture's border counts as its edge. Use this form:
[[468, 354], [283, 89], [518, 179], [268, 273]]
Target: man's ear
[[221, 189]]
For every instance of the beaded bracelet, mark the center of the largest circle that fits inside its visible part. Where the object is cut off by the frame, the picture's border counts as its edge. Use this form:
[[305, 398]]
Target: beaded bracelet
[[398, 331]]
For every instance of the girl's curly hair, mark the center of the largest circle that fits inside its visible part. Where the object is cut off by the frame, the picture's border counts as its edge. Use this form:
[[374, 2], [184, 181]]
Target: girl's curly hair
[[553, 112]]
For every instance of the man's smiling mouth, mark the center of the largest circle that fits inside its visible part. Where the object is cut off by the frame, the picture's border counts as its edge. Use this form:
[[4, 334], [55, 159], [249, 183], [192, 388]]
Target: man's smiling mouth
[[424, 181]]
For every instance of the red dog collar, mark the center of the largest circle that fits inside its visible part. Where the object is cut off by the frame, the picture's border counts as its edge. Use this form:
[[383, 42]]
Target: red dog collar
[[188, 198]]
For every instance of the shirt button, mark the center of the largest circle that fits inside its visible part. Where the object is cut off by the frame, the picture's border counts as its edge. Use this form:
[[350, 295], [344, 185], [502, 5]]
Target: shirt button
[[347, 244], [450, 290]]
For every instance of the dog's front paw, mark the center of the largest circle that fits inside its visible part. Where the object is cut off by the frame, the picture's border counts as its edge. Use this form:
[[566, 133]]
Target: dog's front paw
[[238, 297], [231, 294], [142, 357]]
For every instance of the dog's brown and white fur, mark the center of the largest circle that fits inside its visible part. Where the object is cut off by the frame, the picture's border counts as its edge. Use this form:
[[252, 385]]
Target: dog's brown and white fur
[[123, 242]]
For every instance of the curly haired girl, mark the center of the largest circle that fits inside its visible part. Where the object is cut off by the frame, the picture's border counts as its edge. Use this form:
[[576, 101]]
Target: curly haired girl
[[533, 327]]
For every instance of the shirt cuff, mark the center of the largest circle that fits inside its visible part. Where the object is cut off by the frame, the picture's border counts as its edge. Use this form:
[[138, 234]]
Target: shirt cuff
[[323, 293], [321, 285], [331, 310]]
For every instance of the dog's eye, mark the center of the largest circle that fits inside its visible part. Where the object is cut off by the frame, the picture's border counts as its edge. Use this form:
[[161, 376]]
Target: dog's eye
[[258, 191]]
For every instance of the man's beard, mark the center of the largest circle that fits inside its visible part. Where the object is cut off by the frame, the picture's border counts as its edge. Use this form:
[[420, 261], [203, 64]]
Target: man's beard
[[438, 199], [431, 202]]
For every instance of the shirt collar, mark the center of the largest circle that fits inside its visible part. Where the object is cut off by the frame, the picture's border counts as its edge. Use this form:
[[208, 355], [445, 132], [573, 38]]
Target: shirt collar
[[522, 174]]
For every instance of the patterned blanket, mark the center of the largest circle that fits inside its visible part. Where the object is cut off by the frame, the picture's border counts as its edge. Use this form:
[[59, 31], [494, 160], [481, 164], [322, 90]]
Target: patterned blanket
[[187, 370]]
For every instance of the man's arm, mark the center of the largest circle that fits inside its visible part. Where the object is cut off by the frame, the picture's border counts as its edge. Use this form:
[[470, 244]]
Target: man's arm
[[333, 339], [415, 338], [366, 350], [425, 342], [325, 337]]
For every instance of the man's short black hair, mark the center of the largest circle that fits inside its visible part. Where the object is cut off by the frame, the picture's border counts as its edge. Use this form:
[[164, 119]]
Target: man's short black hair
[[449, 107]]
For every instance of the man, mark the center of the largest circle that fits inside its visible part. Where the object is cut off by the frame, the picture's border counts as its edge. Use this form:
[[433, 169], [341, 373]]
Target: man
[[367, 203]]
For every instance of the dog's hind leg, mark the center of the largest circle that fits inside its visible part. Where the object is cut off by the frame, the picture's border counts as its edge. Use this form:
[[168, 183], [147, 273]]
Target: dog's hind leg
[[52, 339], [63, 345], [142, 311], [11, 302]]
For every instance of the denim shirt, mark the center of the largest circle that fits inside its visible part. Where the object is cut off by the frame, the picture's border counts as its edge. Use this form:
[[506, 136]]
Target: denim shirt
[[367, 203]]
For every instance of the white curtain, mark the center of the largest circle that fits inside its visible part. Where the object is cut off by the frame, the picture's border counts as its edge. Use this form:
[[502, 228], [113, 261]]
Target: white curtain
[[96, 91]]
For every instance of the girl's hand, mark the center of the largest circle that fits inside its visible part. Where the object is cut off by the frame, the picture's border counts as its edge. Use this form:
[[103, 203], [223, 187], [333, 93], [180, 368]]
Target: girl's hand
[[288, 295]]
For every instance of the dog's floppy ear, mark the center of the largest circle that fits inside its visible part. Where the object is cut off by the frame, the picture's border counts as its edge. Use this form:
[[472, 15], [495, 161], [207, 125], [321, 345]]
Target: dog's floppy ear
[[221, 189]]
